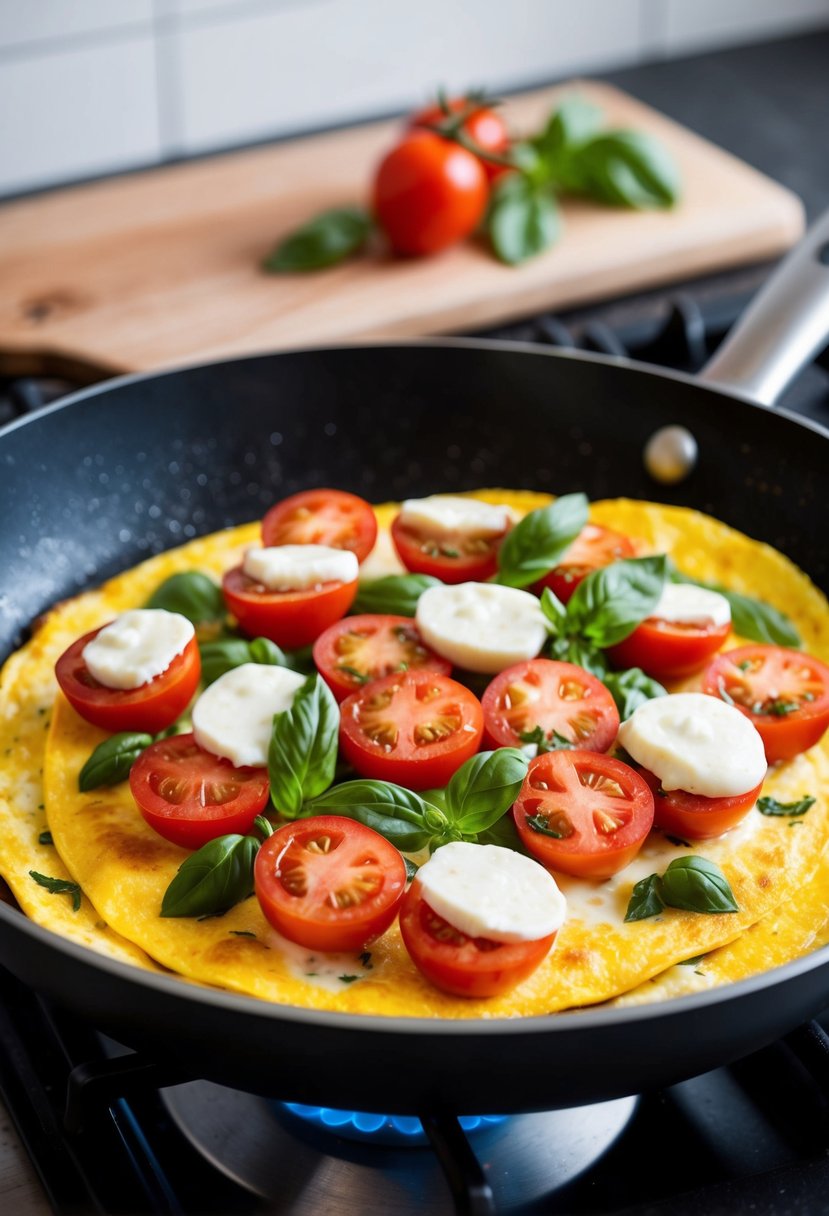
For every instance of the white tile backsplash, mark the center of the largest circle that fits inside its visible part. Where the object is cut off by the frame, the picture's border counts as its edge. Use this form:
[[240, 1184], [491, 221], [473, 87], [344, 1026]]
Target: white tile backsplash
[[98, 85], [77, 113]]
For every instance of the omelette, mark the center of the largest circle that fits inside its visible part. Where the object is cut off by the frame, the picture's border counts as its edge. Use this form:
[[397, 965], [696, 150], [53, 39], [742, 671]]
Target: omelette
[[100, 842]]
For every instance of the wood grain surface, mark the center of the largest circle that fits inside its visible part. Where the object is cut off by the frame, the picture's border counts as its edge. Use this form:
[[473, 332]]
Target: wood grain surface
[[163, 267]]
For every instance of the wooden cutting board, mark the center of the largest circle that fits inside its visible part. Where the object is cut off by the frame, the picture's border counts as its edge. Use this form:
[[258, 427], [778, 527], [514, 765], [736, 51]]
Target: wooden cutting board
[[163, 267]]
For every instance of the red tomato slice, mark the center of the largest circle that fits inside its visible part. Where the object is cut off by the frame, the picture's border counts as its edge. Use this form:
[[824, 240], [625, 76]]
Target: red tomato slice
[[190, 796], [785, 693], [668, 649], [151, 707], [289, 618], [452, 558], [595, 546], [415, 728], [462, 965], [329, 883], [561, 698], [695, 817], [359, 649], [583, 813], [322, 517]]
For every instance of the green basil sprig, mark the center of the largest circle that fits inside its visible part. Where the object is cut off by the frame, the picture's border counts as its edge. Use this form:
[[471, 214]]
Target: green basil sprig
[[222, 655], [770, 806], [59, 886], [483, 789], [522, 218], [216, 876], [538, 542], [302, 755], [631, 688], [396, 594], [608, 605], [750, 618], [691, 883], [554, 742], [624, 169], [406, 819], [192, 594], [327, 239], [111, 761]]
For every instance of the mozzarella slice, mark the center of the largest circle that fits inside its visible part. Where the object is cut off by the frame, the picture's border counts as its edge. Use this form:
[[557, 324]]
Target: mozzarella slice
[[486, 891], [138, 646], [688, 605], [447, 515], [696, 743], [299, 567], [481, 626], [234, 716]]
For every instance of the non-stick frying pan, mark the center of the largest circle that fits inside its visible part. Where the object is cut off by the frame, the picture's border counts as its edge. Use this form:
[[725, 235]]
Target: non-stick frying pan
[[98, 482]]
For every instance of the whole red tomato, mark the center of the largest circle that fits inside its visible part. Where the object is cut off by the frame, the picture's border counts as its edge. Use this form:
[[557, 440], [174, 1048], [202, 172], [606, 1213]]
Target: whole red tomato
[[484, 126], [429, 192]]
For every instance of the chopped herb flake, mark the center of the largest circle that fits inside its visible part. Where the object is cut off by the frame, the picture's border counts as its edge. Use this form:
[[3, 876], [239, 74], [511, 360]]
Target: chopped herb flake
[[59, 886]]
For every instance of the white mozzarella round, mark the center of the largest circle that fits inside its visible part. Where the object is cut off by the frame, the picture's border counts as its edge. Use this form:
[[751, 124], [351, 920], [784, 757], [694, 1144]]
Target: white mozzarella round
[[685, 604], [447, 515], [695, 743], [234, 716], [136, 647], [481, 626], [299, 567], [486, 891]]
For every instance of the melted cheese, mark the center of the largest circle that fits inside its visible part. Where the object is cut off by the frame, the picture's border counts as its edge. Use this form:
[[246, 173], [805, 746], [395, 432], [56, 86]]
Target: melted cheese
[[299, 567], [444, 515], [481, 626], [685, 604], [234, 716], [138, 646]]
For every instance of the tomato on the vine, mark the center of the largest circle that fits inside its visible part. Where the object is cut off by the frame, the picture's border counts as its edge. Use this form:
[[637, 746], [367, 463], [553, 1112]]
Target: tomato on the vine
[[595, 546], [483, 125], [784, 693], [415, 728], [329, 883], [151, 707], [429, 193], [560, 698], [695, 817], [359, 649], [583, 813], [322, 517], [453, 558], [190, 796], [290, 618]]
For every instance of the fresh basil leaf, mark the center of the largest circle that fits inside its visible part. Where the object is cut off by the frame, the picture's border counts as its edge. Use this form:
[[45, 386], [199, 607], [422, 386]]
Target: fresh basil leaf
[[59, 886], [752, 619], [484, 788], [302, 755], [111, 761], [301, 660], [554, 742], [770, 806], [411, 868], [554, 611], [402, 816], [697, 885], [574, 121], [327, 239], [522, 218], [645, 899], [608, 605], [505, 834], [192, 594], [626, 169], [631, 688], [537, 543], [396, 594], [574, 650], [213, 879], [224, 654]]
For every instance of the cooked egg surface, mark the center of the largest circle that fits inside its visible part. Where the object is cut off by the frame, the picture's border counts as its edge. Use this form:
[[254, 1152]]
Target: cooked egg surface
[[481, 626], [124, 867], [233, 717], [138, 646]]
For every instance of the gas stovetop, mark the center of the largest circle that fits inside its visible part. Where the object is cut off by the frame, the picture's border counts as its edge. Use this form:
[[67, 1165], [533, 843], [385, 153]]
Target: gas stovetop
[[109, 1131]]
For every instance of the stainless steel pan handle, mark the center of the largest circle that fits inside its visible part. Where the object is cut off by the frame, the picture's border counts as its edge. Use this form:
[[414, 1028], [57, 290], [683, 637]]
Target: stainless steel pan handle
[[786, 324]]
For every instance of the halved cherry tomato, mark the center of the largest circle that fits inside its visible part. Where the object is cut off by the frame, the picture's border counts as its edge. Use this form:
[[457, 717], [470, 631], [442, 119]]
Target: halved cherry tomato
[[151, 707], [453, 559], [415, 728], [561, 698], [429, 193], [462, 965], [359, 649], [289, 618], [583, 813], [484, 126], [329, 883], [695, 817], [322, 517], [595, 546], [190, 796], [668, 649], [785, 693]]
